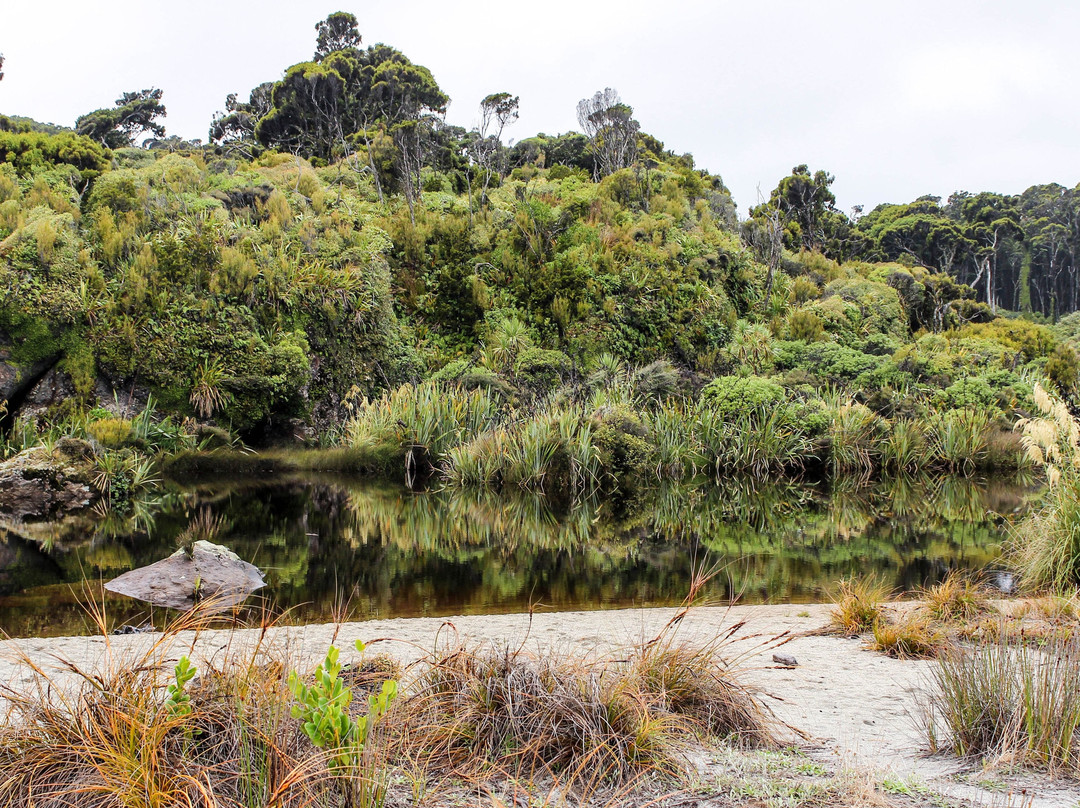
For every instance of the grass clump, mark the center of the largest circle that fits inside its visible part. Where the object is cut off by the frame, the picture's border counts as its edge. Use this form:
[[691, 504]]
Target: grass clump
[[475, 711], [913, 636], [141, 732], [857, 605], [958, 597], [1008, 702]]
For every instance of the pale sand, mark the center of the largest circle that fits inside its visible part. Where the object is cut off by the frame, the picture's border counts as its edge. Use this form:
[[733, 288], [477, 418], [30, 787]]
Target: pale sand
[[852, 706]]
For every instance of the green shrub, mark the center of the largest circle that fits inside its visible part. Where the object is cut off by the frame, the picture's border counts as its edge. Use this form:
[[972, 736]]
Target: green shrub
[[970, 392], [874, 307], [542, 369], [1029, 339], [880, 345], [838, 363], [112, 433], [620, 439], [805, 326], [1063, 369], [735, 396]]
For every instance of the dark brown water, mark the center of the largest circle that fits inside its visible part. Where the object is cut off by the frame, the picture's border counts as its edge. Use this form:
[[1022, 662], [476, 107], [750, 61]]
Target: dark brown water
[[375, 550]]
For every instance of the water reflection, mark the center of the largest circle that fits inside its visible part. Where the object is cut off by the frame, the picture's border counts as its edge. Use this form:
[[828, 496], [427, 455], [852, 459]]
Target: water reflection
[[387, 552]]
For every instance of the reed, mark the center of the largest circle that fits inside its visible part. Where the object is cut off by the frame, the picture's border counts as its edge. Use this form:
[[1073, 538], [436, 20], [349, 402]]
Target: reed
[[1006, 701], [1045, 547]]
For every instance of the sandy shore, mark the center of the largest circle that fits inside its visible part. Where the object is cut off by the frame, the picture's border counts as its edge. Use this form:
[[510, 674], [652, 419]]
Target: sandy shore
[[850, 705]]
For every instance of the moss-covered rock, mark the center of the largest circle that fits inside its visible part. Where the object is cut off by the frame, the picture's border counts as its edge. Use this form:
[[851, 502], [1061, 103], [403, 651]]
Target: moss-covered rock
[[42, 483]]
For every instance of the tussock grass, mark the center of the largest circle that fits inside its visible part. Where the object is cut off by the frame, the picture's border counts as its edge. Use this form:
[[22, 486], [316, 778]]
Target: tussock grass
[[855, 440], [904, 449], [959, 596], [480, 710], [117, 736], [1057, 608], [958, 440], [857, 605], [914, 636], [757, 443], [1008, 702], [133, 731]]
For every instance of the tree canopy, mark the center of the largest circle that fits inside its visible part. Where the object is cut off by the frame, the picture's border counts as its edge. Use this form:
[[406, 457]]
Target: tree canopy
[[134, 114]]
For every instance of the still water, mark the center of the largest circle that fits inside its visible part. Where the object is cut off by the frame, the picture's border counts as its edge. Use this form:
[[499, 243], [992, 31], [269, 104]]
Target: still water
[[332, 546]]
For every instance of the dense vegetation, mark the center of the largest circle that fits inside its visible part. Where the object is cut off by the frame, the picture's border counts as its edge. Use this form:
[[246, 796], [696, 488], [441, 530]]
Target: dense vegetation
[[588, 304]]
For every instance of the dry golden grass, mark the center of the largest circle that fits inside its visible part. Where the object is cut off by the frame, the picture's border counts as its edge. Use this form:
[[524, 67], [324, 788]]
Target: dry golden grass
[[478, 712], [111, 736], [857, 605], [959, 596], [912, 636]]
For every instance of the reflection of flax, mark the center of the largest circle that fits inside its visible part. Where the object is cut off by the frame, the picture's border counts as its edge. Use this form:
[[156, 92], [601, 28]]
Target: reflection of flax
[[459, 519]]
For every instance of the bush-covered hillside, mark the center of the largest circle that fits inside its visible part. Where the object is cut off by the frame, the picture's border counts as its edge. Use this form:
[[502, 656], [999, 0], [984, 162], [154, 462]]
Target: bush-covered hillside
[[283, 278]]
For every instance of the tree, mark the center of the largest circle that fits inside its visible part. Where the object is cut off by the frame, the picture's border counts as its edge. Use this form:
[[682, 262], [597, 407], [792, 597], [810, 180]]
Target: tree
[[339, 31], [611, 129], [355, 98], [118, 126], [307, 111], [992, 223], [1, 67], [497, 111], [920, 231], [234, 129], [805, 199], [764, 232]]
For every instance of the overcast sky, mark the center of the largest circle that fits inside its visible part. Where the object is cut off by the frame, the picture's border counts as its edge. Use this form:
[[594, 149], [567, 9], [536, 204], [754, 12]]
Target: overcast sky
[[895, 99]]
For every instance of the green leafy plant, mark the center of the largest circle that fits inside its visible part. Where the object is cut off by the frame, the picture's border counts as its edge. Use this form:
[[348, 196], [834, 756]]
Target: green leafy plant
[[177, 701], [323, 710]]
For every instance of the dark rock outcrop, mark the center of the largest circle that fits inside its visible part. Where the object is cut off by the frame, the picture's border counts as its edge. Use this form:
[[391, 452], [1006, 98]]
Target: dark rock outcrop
[[43, 484]]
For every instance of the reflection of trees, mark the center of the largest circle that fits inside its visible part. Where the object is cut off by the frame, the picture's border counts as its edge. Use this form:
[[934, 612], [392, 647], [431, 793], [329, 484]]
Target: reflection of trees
[[392, 552]]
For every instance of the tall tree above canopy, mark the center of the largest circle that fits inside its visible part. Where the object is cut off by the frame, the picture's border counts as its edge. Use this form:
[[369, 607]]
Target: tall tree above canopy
[[805, 199], [353, 98], [497, 111], [117, 127], [1, 67], [234, 129], [992, 223], [307, 112], [919, 230], [339, 31], [612, 131]]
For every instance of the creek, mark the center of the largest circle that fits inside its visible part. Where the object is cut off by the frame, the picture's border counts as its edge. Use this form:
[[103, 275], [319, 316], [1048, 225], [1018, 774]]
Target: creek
[[334, 546]]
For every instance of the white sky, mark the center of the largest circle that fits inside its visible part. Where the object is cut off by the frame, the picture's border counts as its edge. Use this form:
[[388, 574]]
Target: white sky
[[895, 99]]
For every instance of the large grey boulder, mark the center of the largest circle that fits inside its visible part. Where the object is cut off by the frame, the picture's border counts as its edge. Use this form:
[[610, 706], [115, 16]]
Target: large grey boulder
[[209, 574]]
